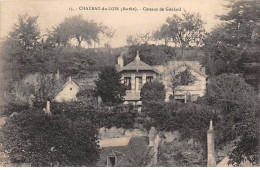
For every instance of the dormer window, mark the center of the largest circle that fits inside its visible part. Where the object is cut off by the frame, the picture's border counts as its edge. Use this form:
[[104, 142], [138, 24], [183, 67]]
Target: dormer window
[[111, 161]]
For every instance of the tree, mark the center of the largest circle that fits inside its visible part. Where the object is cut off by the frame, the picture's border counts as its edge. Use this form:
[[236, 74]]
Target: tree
[[109, 86], [187, 30], [151, 54], [153, 91], [235, 104], [183, 78], [18, 51], [78, 28], [181, 153], [233, 47], [26, 33], [32, 136]]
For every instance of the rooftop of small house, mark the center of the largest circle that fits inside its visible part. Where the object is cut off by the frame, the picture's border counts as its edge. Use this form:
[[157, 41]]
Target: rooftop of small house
[[130, 154]]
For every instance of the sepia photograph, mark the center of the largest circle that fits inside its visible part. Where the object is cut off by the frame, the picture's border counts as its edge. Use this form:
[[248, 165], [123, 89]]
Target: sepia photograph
[[129, 83]]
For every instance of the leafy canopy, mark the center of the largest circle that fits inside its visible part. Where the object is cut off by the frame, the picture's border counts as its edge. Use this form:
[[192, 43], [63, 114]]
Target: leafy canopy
[[153, 91], [109, 86], [32, 136]]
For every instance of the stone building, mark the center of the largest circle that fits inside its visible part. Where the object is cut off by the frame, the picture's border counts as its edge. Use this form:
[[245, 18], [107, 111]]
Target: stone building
[[137, 73]]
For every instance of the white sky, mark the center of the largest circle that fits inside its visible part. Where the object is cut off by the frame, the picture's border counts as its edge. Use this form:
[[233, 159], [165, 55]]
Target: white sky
[[52, 12]]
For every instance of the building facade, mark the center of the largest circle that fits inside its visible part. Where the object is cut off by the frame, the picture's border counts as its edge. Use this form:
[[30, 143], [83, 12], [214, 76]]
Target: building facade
[[137, 73]]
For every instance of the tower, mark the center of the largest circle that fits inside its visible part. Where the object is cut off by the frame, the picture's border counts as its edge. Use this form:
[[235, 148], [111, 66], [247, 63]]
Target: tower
[[210, 146]]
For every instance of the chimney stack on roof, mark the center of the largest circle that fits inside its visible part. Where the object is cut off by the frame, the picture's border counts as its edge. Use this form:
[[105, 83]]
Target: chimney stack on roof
[[120, 61], [211, 147], [137, 58], [58, 74]]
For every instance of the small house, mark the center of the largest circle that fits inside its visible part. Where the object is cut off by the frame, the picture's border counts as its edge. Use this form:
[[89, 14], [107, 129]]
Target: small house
[[68, 92]]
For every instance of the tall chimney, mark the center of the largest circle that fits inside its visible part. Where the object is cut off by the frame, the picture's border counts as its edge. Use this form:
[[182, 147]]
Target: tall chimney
[[58, 74], [211, 147], [70, 79], [48, 107], [120, 61], [137, 58]]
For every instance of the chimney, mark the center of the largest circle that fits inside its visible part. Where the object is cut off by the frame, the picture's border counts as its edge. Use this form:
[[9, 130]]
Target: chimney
[[48, 107], [211, 147], [137, 58], [120, 61], [70, 79], [152, 136], [58, 74]]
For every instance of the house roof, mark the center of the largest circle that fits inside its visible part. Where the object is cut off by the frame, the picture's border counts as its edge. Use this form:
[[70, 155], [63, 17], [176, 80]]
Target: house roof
[[130, 155], [137, 65], [69, 81], [175, 65]]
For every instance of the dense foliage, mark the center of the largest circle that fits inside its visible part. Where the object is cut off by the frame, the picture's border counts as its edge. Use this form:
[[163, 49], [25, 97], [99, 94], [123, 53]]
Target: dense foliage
[[153, 91], [76, 27], [150, 54], [233, 47], [236, 105], [185, 30], [33, 136], [109, 86]]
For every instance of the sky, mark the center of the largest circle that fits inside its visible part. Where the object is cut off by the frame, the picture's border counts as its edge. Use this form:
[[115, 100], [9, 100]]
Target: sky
[[124, 23]]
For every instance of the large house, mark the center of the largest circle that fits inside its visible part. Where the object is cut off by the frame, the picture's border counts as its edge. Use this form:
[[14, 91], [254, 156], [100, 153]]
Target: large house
[[137, 73]]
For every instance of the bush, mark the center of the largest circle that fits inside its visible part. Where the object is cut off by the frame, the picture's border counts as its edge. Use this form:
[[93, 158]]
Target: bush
[[153, 91], [35, 137], [109, 86]]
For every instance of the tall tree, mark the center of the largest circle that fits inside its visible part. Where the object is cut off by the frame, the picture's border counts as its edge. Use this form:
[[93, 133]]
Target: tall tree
[[26, 32], [186, 30], [235, 104], [109, 86], [80, 29], [234, 46]]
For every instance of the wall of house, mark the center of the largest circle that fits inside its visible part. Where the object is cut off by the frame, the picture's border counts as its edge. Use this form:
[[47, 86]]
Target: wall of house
[[197, 88], [68, 93]]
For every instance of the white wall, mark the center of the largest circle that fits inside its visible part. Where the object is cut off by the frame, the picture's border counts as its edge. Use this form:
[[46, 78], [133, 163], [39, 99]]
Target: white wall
[[198, 87], [68, 93]]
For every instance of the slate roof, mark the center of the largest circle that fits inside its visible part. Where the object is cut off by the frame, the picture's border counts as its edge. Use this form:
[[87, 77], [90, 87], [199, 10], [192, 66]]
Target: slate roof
[[130, 155], [137, 65]]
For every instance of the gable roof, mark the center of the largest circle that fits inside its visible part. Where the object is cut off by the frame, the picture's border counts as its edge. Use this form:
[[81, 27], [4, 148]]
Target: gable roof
[[130, 155], [137, 65], [69, 81], [176, 65]]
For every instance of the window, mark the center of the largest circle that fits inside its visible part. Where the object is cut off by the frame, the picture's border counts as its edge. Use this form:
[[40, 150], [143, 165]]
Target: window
[[180, 98], [138, 83], [127, 82], [149, 79], [70, 88], [111, 161]]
